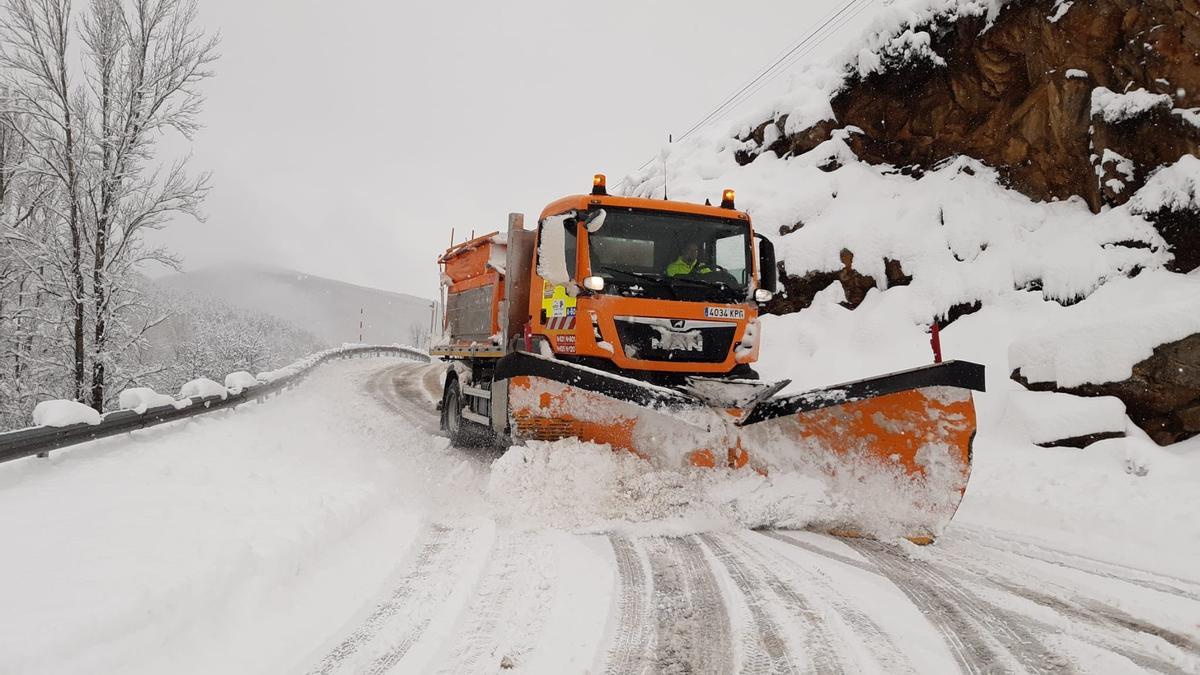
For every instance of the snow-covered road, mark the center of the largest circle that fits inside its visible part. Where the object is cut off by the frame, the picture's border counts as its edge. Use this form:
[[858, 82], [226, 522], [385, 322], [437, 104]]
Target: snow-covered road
[[331, 531]]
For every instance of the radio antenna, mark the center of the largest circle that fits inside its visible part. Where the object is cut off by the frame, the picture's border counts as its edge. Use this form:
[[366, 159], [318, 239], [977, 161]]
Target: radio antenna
[[669, 140]]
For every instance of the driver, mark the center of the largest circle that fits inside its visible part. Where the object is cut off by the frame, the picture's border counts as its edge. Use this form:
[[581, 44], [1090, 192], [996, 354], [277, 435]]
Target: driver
[[688, 262]]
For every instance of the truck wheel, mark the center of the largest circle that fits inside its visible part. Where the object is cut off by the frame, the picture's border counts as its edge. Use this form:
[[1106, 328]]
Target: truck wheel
[[462, 432], [452, 421]]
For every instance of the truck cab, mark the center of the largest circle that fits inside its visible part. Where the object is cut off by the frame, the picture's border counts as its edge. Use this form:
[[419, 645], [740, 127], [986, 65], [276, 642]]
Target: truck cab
[[653, 288]]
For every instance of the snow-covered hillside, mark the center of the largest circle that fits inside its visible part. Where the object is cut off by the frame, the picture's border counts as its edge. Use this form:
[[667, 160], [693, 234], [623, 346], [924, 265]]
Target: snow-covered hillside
[[938, 242], [325, 307]]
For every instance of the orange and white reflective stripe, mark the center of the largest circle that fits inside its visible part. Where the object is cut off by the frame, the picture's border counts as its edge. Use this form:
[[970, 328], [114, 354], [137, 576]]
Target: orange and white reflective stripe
[[560, 323]]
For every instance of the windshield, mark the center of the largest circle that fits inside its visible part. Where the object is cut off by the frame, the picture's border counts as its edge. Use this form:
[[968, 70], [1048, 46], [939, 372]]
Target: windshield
[[671, 256]]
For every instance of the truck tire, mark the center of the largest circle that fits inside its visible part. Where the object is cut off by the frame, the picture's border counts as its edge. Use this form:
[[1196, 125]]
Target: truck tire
[[462, 432]]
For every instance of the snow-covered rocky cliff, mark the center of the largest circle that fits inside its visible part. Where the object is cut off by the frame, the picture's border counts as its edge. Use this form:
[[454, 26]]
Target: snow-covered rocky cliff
[[1022, 172]]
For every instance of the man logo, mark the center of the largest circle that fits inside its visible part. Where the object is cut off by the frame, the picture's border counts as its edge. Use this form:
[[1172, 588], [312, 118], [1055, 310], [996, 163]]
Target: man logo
[[669, 340], [677, 323]]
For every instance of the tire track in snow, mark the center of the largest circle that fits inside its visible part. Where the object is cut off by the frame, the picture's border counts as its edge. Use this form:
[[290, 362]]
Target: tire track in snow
[[1060, 558], [826, 553], [691, 620], [529, 602], [982, 637], [480, 638], [1136, 654], [873, 636], [441, 552], [398, 388], [767, 650], [1088, 615], [634, 642], [1115, 624]]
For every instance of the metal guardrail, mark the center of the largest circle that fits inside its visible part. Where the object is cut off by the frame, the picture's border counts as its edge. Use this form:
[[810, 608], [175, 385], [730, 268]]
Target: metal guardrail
[[41, 440]]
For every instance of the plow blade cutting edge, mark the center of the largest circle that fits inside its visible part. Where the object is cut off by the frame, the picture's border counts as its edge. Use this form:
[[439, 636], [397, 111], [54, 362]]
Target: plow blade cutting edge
[[892, 453]]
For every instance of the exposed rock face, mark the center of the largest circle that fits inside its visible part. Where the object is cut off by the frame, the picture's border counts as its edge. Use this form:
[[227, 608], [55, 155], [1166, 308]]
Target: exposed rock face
[[1181, 230], [1162, 396], [799, 291], [1021, 96]]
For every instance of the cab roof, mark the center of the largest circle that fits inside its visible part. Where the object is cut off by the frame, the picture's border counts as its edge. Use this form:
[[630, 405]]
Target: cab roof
[[584, 202]]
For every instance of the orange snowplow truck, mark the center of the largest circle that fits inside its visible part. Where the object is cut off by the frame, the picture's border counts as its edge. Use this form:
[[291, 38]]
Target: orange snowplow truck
[[634, 323]]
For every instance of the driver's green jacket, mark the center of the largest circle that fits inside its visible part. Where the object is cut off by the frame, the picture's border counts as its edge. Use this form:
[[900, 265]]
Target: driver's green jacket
[[680, 268]]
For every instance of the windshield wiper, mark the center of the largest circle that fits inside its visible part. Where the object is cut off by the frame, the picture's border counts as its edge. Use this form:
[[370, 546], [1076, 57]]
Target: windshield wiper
[[665, 283]]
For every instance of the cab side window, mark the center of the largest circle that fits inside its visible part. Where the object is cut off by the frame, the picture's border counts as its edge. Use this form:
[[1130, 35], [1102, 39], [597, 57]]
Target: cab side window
[[731, 254], [570, 242]]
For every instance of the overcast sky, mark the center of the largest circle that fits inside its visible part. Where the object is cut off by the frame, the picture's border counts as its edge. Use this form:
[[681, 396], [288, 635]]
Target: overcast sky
[[346, 139]]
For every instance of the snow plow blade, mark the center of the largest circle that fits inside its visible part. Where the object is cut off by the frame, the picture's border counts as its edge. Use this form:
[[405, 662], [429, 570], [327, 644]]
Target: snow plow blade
[[893, 453]]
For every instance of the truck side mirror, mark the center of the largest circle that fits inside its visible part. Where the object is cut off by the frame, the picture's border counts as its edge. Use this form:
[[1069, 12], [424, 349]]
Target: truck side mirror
[[768, 271], [551, 254], [594, 220]]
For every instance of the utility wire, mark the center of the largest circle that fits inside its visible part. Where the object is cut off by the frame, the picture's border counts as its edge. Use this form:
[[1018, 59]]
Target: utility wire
[[846, 20], [726, 103], [838, 19]]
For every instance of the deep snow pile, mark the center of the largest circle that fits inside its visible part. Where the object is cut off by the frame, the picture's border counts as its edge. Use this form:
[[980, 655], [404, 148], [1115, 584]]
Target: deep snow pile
[[1083, 344], [585, 487]]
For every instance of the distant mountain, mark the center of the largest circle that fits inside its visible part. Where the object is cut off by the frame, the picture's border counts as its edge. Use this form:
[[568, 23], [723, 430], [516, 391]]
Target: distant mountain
[[325, 307]]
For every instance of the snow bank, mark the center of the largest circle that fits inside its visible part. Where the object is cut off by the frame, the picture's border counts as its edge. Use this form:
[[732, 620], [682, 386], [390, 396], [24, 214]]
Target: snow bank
[[236, 382], [1046, 416], [586, 487], [140, 399], [62, 413], [1100, 339], [960, 235], [202, 388], [1116, 108], [1122, 500], [804, 107], [236, 544], [1173, 188]]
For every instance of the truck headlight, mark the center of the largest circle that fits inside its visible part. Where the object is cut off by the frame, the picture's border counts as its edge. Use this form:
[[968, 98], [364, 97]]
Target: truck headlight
[[594, 283], [761, 295]]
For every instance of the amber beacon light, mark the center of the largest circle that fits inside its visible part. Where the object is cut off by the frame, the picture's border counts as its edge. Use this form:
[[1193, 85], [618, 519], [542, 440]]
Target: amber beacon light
[[727, 199], [598, 186]]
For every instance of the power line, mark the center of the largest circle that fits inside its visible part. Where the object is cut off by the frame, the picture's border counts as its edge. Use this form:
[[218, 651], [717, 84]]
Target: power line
[[846, 20], [772, 71], [716, 111]]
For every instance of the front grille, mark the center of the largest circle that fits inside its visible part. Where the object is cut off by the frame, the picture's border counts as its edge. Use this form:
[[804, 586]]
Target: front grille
[[653, 342]]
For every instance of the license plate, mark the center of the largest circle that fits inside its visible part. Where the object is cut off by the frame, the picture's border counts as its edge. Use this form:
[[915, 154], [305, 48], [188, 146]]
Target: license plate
[[724, 313]]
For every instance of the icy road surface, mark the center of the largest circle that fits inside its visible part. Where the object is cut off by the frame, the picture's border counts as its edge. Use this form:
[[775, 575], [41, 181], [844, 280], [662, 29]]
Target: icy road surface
[[331, 531]]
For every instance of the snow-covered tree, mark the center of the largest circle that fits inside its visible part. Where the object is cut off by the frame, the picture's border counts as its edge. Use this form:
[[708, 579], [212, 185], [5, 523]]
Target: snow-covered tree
[[85, 93]]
